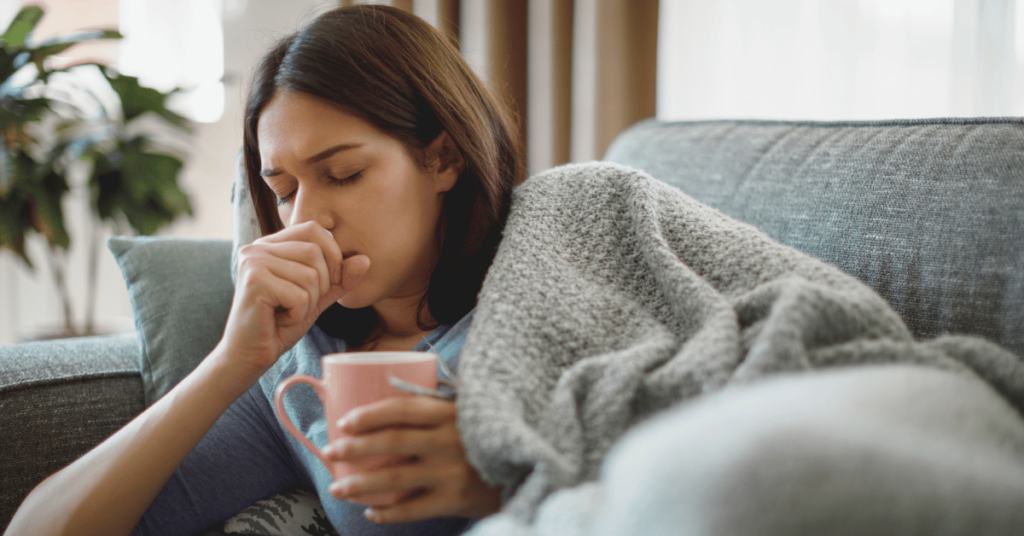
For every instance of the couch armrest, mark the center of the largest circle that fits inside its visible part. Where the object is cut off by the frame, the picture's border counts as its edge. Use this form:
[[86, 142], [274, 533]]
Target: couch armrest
[[58, 399]]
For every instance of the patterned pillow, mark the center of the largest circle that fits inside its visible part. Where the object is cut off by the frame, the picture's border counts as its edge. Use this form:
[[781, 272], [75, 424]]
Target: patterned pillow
[[293, 512]]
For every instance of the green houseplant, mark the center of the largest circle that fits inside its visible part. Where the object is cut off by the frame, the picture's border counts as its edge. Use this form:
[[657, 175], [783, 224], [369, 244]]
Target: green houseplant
[[52, 123]]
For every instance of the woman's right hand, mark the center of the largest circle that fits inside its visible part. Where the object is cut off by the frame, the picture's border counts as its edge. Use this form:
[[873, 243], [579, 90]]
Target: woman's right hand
[[284, 281]]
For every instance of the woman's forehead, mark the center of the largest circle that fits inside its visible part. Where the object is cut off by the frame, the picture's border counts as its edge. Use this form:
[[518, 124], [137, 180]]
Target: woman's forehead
[[297, 124], [290, 111]]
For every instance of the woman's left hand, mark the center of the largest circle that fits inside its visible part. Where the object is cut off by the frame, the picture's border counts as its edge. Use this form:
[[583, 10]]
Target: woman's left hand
[[434, 479]]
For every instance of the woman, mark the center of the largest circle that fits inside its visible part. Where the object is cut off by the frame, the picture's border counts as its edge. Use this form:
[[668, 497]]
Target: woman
[[381, 170]]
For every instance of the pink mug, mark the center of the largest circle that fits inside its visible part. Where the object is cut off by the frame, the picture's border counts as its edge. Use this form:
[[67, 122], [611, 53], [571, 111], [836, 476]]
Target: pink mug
[[351, 380]]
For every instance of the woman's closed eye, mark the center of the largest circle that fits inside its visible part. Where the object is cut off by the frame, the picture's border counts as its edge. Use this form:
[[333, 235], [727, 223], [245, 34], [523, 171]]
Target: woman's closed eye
[[335, 181], [347, 180]]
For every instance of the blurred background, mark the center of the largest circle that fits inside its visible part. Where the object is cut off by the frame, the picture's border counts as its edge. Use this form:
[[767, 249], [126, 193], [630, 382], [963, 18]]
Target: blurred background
[[576, 71]]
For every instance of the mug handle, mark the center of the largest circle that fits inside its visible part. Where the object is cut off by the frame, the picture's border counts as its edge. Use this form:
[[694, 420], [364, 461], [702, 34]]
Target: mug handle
[[282, 415]]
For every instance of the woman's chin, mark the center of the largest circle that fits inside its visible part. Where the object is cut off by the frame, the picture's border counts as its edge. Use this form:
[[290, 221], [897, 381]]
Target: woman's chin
[[355, 300]]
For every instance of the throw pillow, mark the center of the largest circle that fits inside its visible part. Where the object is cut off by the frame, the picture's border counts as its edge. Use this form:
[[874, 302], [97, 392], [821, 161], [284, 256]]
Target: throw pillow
[[181, 291]]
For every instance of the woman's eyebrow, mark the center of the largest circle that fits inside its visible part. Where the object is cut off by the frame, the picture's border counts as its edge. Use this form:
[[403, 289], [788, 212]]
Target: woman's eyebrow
[[322, 155], [327, 153]]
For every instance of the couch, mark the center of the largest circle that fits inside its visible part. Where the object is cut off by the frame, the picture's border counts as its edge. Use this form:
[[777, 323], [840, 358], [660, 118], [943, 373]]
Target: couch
[[930, 213]]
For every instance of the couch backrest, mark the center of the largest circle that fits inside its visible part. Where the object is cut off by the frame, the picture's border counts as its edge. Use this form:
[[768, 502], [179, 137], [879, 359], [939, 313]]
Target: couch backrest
[[930, 213]]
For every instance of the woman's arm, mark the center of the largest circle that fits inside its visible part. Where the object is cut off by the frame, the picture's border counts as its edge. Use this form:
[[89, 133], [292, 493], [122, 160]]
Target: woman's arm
[[283, 285], [107, 490]]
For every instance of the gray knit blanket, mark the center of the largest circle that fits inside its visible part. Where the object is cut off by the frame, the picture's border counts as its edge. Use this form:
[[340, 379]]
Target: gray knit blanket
[[614, 296]]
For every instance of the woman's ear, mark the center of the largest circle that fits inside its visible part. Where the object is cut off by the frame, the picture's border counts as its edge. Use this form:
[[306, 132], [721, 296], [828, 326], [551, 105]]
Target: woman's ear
[[444, 161]]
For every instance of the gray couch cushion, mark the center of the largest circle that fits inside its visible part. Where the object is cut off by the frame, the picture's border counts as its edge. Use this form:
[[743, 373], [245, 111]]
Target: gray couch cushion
[[930, 213], [58, 399]]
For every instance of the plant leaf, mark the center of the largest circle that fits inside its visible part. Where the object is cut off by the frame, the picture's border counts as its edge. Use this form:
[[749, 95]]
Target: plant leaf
[[137, 100], [137, 181], [48, 214], [60, 43], [74, 38], [146, 219], [142, 187], [39, 54], [45, 188], [168, 193], [173, 118], [12, 234], [24, 111], [23, 169], [6, 64], [105, 182], [22, 25]]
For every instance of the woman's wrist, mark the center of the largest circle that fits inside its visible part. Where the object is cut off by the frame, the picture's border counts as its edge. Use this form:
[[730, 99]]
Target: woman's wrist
[[232, 372]]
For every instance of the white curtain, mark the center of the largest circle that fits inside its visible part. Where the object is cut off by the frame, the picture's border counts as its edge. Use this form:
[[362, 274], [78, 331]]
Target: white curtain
[[838, 59], [177, 44]]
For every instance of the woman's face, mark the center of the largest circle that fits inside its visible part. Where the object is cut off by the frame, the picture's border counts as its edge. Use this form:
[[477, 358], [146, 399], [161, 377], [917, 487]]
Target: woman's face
[[330, 167]]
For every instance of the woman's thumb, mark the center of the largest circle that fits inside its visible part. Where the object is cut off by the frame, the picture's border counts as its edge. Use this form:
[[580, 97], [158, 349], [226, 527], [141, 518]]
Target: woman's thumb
[[352, 271]]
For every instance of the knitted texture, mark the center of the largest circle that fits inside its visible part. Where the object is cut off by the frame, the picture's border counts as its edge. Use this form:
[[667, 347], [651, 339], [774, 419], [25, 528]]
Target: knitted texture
[[614, 296], [928, 212]]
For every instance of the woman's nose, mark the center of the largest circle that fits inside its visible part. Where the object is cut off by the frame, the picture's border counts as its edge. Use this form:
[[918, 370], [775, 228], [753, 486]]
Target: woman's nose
[[310, 206]]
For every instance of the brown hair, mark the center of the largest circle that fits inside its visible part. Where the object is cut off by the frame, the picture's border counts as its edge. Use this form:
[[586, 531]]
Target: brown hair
[[401, 75]]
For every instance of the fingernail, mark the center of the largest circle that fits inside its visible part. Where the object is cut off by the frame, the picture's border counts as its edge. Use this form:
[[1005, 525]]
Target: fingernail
[[336, 490], [369, 514], [336, 275], [338, 447], [346, 422]]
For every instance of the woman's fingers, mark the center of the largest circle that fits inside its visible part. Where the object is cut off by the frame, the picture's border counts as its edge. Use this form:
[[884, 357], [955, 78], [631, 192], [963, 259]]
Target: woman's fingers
[[285, 286], [313, 233], [270, 270], [442, 442], [402, 478], [300, 275], [429, 505], [426, 492], [398, 411], [396, 478], [302, 253]]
